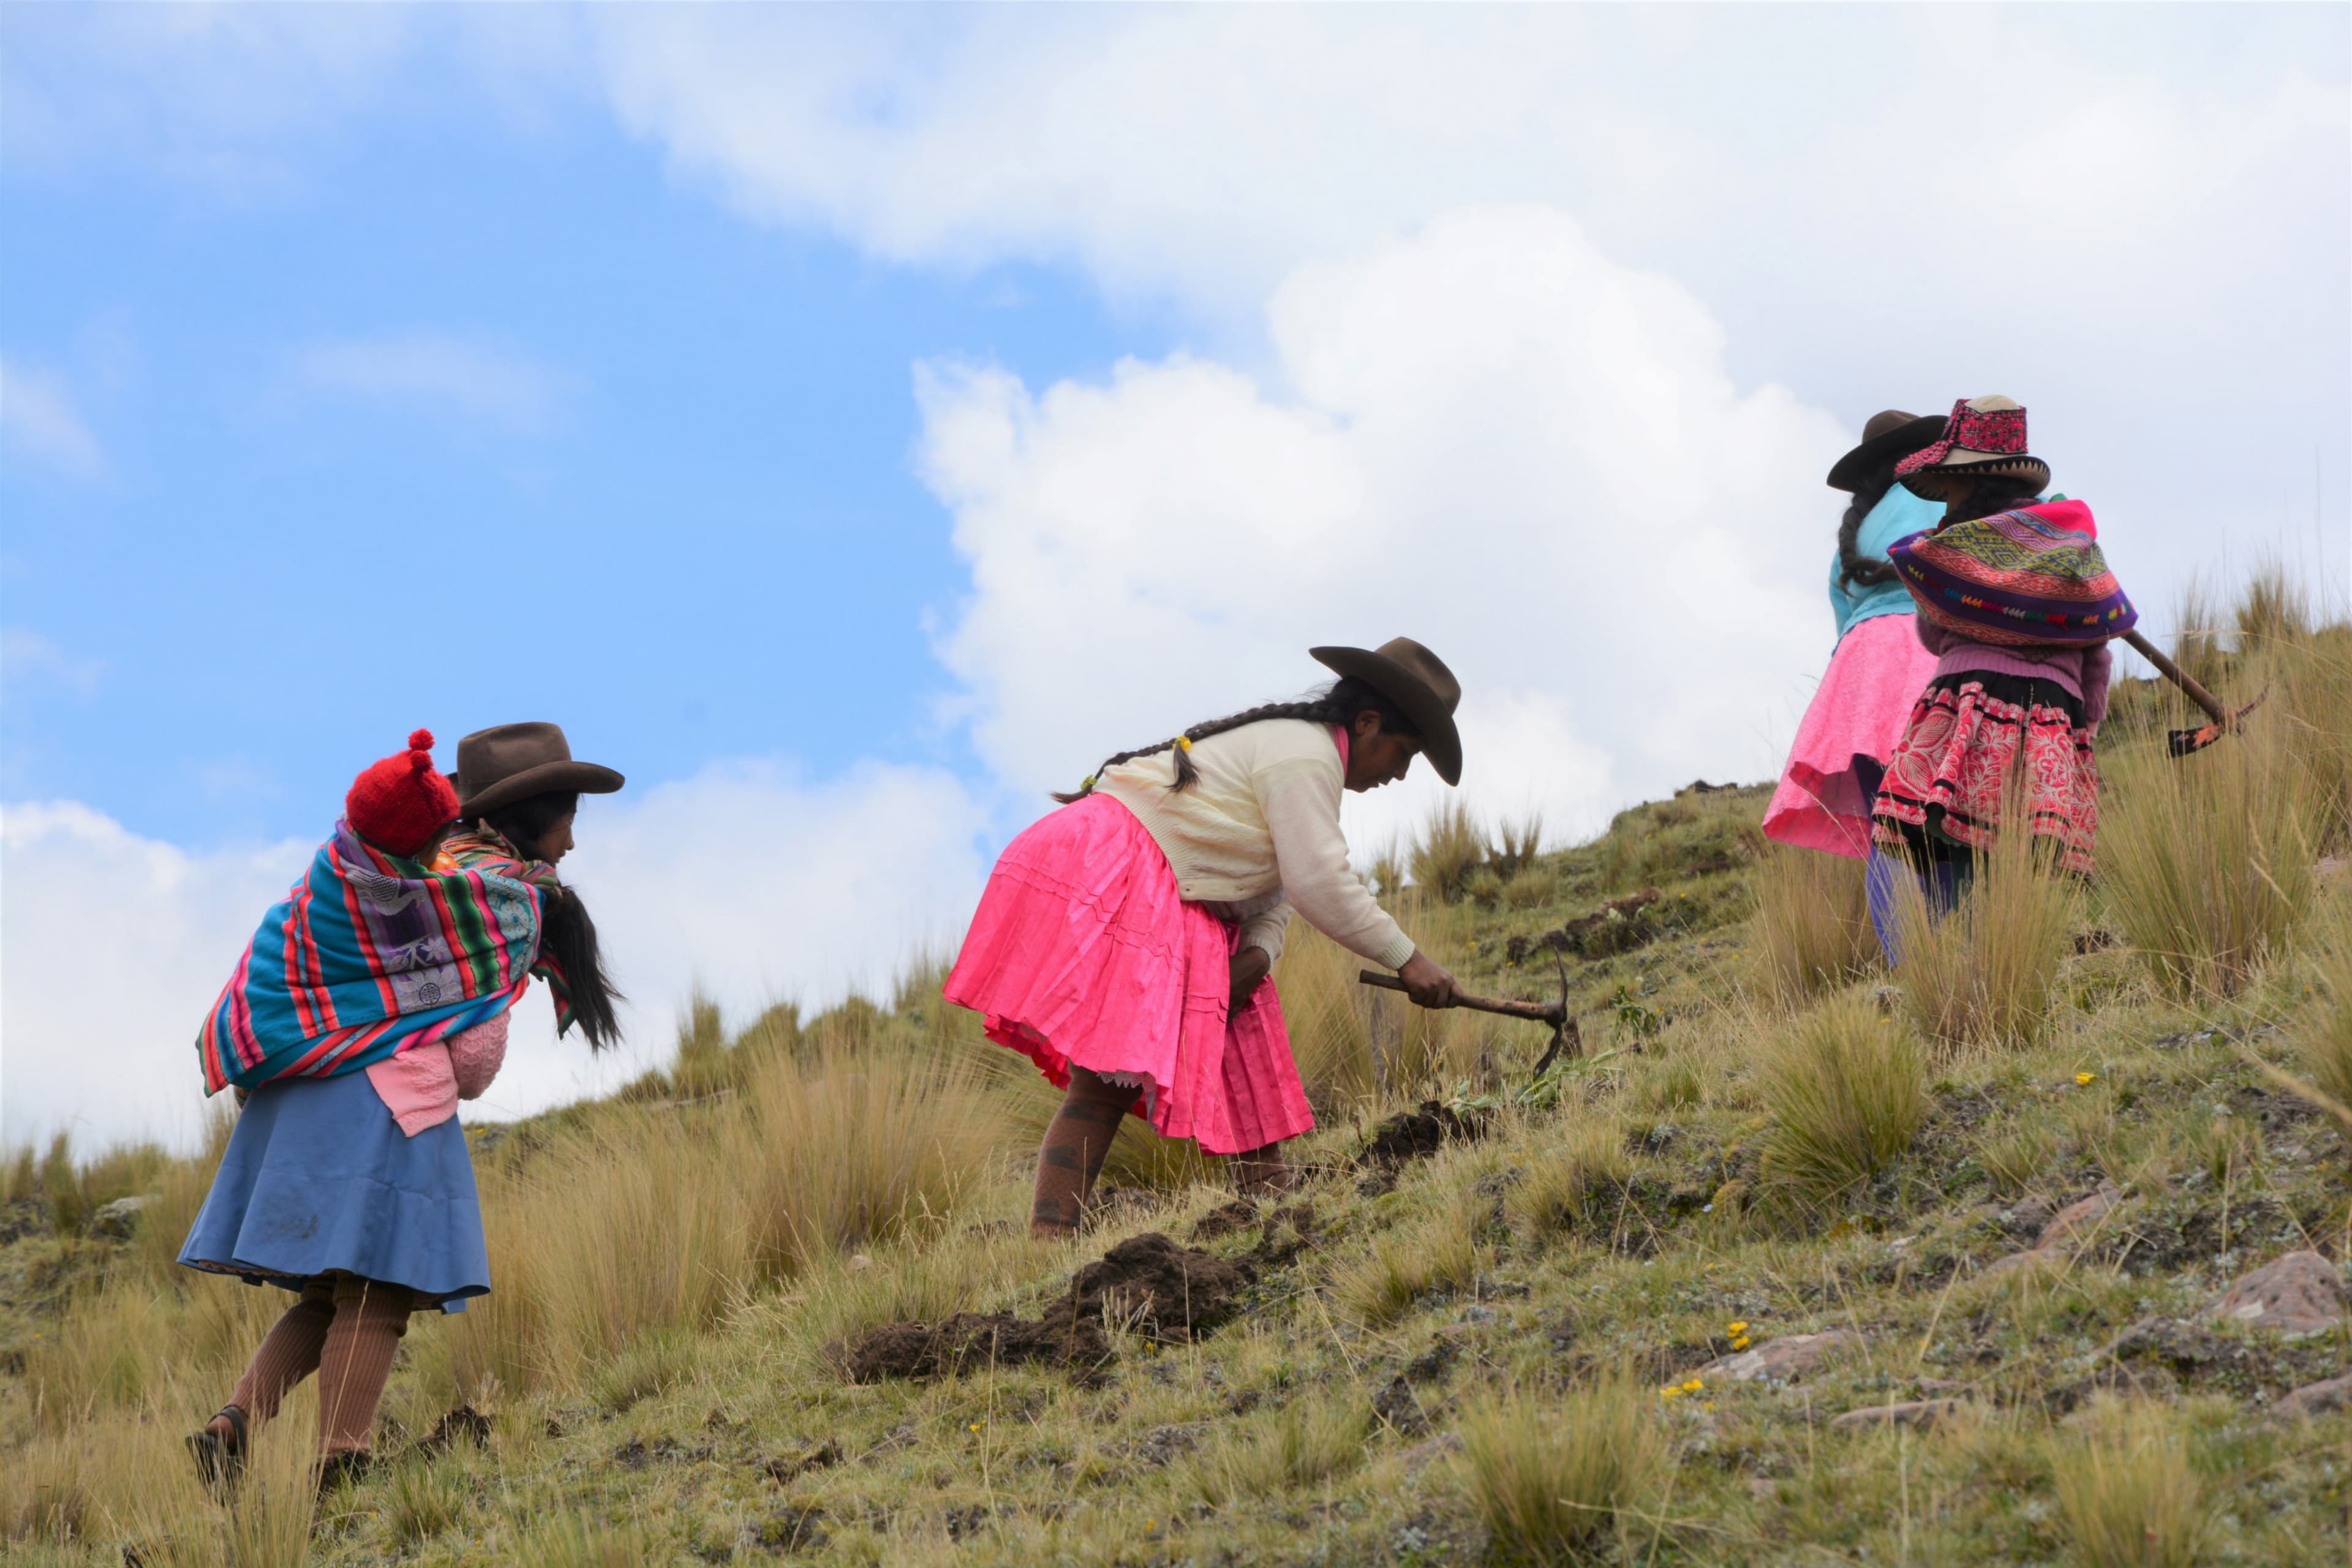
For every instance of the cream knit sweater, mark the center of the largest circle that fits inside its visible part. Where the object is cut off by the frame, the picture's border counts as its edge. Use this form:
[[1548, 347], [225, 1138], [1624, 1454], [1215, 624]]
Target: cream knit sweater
[[1258, 835]]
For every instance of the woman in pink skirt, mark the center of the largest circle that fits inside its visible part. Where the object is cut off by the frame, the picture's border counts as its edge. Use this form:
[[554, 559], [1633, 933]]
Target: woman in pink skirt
[[1124, 940], [1857, 715]]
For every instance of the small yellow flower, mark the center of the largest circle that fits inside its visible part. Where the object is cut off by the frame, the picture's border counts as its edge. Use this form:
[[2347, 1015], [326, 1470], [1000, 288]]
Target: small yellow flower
[[1739, 1327], [2084, 1080], [1706, 1404], [1671, 1390], [1692, 1386], [975, 1425], [1739, 1341]]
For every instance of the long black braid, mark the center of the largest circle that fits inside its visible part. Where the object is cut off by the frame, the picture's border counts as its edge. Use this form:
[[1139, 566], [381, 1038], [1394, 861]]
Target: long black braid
[[1337, 704], [1852, 566]]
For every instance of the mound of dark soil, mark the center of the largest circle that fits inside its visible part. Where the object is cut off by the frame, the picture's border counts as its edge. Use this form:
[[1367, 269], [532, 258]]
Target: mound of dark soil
[[1417, 1135], [1146, 1283], [1168, 1291], [979, 1339]]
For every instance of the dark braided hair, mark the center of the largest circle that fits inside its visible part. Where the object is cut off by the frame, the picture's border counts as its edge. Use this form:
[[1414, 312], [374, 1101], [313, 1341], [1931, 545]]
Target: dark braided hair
[[1337, 704], [1853, 567], [569, 935]]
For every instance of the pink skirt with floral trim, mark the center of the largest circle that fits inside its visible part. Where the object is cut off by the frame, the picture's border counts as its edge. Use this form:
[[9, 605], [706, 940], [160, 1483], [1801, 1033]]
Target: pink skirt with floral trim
[[1979, 746], [1858, 711], [1083, 951]]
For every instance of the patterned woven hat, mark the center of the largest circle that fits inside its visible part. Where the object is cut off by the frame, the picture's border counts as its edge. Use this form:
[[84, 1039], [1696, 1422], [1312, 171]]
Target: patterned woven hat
[[1983, 436], [2014, 579]]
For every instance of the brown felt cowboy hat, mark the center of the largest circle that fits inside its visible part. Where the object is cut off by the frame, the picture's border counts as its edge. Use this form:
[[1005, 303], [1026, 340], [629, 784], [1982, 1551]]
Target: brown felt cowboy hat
[[1416, 681], [1886, 436], [508, 762]]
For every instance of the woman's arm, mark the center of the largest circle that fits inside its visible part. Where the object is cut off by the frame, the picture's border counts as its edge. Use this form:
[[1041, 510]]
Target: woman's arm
[[1302, 812]]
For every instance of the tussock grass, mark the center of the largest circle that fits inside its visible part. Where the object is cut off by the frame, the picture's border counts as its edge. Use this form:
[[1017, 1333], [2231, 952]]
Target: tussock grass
[[1451, 848], [1435, 1253], [2129, 1497], [1301, 1445], [2206, 858], [1986, 977], [1847, 1089], [2322, 1040], [654, 1222], [1554, 1480], [1572, 1181], [1812, 922], [582, 1541]]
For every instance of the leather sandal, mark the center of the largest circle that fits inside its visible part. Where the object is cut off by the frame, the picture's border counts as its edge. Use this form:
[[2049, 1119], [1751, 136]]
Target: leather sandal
[[220, 1461]]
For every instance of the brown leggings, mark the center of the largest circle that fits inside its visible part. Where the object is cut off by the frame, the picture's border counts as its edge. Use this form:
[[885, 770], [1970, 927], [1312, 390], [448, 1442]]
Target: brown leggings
[[345, 1329], [1079, 1137]]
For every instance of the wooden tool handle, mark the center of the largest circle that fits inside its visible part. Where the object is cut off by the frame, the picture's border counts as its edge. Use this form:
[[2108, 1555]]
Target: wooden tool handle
[[1541, 1012], [2179, 677]]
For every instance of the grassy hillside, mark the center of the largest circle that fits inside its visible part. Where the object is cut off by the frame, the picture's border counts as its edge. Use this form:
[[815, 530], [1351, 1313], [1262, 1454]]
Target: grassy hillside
[[1488, 1328]]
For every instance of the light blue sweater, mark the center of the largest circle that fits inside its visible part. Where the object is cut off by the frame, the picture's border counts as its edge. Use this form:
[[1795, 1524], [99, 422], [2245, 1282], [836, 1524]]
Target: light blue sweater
[[1899, 515]]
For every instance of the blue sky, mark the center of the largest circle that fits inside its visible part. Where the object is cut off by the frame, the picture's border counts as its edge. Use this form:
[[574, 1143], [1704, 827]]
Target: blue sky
[[851, 423], [458, 423]]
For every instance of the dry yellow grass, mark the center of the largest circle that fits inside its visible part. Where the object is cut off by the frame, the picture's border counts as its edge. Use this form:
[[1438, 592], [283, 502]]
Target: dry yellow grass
[[1847, 1090], [2206, 858], [1555, 1478], [1986, 975], [2129, 1497], [1812, 922]]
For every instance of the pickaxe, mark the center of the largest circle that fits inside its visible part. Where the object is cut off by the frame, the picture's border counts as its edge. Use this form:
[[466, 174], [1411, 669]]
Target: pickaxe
[[2183, 742], [1564, 1033]]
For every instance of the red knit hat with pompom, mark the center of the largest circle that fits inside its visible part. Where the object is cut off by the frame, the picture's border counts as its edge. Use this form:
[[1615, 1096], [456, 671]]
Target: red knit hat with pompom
[[399, 803]]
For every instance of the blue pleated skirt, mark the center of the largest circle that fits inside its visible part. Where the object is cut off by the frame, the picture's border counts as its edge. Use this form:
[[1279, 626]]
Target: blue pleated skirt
[[319, 1178]]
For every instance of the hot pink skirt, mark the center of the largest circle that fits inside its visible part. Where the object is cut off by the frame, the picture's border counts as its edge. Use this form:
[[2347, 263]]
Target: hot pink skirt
[[1083, 953], [1865, 699]]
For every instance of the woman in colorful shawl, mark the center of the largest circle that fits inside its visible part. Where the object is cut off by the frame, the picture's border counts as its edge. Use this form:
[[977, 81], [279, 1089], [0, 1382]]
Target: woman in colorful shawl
[[369, 1003], [1124, 940], [1856, 715], [2018, 606]]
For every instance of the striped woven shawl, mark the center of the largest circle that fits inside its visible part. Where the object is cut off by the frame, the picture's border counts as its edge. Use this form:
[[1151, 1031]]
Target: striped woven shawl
[[2015, 579], [369, 954]]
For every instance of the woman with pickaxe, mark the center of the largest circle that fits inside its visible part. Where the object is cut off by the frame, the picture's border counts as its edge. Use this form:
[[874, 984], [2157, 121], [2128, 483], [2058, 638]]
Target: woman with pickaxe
[[1124, 942]]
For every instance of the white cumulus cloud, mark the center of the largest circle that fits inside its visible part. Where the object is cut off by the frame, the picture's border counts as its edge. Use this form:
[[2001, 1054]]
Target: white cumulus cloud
[[1490, 437], [436, 373], [40, 420], [748, 880]]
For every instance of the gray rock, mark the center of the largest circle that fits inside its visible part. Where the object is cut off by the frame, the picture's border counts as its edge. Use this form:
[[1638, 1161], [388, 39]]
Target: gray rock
[[1784, 1360], [2300, 1293], [117, 1220], [2317, 1398], [1921, 1415]]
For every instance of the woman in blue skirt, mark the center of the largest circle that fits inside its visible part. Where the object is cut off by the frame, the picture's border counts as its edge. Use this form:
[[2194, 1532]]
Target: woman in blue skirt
[[371, 1001]]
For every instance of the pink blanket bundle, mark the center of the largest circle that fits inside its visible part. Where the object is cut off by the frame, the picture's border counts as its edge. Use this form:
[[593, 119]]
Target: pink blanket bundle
[[422, 1085]]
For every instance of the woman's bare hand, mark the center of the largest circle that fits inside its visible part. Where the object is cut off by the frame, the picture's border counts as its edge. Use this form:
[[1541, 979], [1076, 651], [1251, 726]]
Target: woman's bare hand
[[1426, 982], [1250, 965]]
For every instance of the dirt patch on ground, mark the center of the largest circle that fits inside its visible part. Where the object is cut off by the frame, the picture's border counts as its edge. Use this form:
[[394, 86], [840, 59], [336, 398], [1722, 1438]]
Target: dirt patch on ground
[[975, 1339], [1150, 1283], [1146, 1284], [1416, 1134]]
